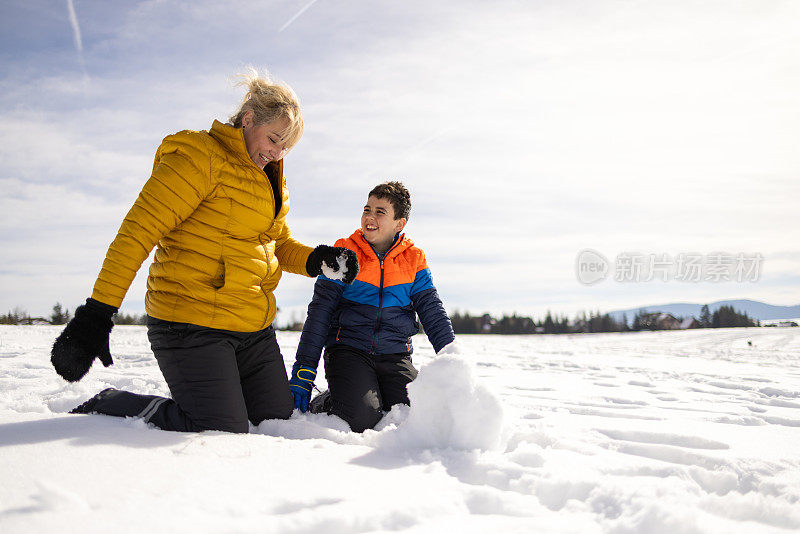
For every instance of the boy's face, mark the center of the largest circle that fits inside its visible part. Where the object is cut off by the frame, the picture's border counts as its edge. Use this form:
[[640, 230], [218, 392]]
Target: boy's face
[[378, 223]]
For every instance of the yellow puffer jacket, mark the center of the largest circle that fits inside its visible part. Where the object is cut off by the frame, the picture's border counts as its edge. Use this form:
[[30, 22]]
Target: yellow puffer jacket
[[221, 247]]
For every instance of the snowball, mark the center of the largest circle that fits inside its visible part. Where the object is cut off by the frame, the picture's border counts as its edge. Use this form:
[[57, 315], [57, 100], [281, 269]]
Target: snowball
[[449, 409], [336, 274], [451, 348]]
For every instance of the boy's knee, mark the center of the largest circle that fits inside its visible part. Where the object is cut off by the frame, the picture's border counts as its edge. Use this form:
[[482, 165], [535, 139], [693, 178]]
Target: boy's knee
[[361, 419], [364, 423]]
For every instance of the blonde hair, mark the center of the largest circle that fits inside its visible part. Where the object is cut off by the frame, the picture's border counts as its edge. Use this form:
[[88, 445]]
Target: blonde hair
[[270, 100]]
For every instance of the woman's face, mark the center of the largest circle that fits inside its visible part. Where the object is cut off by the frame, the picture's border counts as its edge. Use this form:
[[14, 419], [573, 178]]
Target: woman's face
[[264, 141]]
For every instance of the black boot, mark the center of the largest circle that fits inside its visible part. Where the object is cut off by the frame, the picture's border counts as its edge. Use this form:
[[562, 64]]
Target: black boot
[[321, 403], [88, 406]]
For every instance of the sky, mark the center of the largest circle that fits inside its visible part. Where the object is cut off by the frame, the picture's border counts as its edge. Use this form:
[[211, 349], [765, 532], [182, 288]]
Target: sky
[[527, 132]]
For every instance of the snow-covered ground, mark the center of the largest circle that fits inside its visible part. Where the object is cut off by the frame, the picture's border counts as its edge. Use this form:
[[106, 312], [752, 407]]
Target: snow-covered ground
[[662, 432]]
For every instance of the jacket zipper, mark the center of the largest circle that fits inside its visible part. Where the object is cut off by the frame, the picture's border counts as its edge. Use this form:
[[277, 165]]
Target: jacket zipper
[[380, 309], [380, 295]]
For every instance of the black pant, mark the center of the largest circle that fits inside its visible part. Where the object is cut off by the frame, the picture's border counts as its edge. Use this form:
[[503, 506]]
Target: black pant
[[218, 379], [362, 386]]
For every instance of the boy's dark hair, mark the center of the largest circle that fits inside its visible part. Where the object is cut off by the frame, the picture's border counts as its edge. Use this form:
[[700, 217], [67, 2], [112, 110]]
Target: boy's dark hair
[[397, 194]]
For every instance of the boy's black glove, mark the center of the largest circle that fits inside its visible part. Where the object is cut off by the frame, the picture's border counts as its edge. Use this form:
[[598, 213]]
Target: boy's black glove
[[339, 263], [83, 339]]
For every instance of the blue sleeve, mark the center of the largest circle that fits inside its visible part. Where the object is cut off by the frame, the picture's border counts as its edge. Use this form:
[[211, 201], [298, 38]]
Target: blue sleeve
[[422, 281], [327, 293], [431, 311]]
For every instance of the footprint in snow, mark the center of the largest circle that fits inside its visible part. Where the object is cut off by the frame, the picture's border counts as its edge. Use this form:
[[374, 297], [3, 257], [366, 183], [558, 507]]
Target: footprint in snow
[[657, 438]]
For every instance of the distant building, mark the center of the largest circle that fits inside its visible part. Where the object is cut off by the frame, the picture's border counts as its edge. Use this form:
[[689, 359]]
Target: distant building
[[689, 322], [659, 321], [666, 321], [486, 323]]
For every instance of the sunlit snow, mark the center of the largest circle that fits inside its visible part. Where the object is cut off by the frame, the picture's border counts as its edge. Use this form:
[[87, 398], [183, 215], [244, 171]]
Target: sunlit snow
[[652, 432]]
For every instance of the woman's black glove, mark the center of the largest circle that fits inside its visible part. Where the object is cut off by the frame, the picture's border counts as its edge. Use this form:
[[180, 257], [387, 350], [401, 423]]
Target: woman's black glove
[[337, 263], [83, 339]]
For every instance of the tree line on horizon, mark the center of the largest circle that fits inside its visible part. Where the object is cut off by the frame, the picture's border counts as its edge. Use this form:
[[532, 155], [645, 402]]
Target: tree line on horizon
[[464, 323], [60, 315], [595, 322]]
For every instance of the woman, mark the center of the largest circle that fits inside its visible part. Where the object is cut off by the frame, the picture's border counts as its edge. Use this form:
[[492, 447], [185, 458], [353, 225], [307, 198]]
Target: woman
[[215, 206]]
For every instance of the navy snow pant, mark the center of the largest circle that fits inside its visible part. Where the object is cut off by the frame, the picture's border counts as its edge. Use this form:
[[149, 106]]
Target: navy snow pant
[[218, 380], [362, 386]]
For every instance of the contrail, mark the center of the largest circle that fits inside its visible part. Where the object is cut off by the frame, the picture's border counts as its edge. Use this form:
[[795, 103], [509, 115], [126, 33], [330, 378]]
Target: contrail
[[76, 33], [76, 30], [288, 22]]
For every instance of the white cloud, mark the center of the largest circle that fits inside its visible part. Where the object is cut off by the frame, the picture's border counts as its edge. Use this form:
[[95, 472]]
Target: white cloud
[[525, 132]]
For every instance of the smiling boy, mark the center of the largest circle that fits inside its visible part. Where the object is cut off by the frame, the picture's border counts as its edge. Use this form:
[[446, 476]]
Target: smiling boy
[[366, 328]]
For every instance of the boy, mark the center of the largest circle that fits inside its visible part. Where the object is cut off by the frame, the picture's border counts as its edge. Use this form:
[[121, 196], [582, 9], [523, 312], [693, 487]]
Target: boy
[[366, 327]]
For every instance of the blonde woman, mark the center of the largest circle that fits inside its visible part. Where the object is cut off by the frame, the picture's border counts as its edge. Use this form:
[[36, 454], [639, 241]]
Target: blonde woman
[[215, 207]]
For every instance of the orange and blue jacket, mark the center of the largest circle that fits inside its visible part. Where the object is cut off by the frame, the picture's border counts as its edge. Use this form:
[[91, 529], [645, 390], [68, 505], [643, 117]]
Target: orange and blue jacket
[[377, 312]]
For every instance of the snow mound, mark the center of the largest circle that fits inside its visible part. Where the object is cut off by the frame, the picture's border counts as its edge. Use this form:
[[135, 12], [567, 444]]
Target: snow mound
[[449, 409]]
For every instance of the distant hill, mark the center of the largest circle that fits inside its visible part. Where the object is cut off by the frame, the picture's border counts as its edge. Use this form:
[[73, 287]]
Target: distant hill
[[753, 308]]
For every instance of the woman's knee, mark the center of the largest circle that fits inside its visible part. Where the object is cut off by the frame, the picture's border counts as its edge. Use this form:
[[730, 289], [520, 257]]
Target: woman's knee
[[279, 410], [234, 427]]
